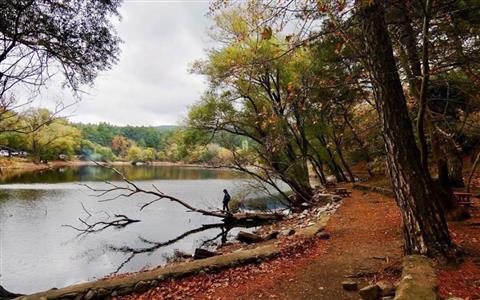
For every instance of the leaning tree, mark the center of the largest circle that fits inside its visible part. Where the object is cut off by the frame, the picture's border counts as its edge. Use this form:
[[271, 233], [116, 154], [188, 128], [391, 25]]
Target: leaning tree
[[424, 225]]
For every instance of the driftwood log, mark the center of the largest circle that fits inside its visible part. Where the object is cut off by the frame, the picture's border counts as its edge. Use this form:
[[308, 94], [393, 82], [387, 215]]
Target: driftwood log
[[203, 253], [249, 238]]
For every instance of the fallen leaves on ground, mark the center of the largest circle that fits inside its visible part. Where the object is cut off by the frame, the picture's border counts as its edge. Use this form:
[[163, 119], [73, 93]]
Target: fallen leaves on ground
[[261, 281], [464, 280]]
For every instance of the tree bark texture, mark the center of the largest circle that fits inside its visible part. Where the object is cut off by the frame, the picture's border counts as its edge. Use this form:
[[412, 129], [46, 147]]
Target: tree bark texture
[[424, 225]]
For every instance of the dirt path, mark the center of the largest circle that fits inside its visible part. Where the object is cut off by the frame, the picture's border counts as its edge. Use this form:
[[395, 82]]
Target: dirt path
[[364, 232], [365, 240]]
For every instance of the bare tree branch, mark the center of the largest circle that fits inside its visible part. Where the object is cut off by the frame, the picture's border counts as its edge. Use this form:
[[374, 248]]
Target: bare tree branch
[[131, 189], [121, 221]]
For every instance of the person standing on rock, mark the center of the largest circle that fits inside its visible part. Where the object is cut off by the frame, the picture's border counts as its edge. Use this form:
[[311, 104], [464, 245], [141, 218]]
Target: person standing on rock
[[226, 199]]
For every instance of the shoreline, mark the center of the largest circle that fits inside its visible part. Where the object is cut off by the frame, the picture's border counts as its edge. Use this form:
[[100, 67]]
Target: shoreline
[[15, 166], [233, 254], [301, 260]]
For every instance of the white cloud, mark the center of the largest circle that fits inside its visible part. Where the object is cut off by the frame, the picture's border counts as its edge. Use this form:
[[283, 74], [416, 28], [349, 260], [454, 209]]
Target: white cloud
[[150, 85]]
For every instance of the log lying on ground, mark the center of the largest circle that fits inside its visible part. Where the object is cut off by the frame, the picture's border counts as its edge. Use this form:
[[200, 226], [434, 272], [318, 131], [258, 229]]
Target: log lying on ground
[[248, 237], [251, 238], [245, 217], [203, 253]]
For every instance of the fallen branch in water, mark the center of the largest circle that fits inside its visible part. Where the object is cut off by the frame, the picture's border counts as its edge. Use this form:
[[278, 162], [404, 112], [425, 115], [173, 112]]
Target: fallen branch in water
[[130, 189], [154, 246], [121, 221]]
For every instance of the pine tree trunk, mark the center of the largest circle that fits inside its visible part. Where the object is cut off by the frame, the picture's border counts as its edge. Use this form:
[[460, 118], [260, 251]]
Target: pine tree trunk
[[447, 166], [424, 225]]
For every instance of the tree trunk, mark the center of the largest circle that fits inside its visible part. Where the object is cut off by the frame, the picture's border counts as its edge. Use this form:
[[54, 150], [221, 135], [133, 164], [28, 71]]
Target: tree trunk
[[302, 190], [472, 171], [360, 143], [318, 168], [403, 23], [451, 206], [343, 161], [332, 164], [424, 225], [454, 159], [440, 161]]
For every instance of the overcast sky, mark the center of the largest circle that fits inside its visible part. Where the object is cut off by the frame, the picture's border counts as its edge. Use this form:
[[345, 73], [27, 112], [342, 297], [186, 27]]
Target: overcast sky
[[150, 85]]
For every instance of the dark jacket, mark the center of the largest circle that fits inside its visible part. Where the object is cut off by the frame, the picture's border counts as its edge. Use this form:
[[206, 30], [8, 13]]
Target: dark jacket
[[226, 198]]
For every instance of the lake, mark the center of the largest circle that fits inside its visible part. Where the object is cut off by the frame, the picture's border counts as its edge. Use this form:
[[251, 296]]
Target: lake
[[38, 253]]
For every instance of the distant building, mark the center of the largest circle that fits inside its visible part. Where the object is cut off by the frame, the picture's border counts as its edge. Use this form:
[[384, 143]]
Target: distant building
[[8, 152]]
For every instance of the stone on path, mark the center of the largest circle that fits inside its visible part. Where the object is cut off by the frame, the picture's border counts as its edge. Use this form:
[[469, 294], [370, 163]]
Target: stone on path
[[386, 288], [371, 292], [141, 287], [288, 232], [323, 235], [90, 295]]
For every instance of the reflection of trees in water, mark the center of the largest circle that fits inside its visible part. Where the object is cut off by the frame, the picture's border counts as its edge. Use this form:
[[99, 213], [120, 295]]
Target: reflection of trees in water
[[154, 246], [95, 173], [169, 172]]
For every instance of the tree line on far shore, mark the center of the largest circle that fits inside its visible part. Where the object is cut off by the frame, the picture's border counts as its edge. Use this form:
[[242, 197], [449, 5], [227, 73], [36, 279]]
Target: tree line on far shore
[[45, 137]]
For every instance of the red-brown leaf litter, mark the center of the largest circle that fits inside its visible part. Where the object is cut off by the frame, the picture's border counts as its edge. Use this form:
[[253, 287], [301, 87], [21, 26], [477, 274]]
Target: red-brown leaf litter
[[464, 280], [365, 245]]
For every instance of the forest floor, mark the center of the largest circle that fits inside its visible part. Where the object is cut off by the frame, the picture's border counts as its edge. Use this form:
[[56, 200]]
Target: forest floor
[[464, 280], [365, 245]]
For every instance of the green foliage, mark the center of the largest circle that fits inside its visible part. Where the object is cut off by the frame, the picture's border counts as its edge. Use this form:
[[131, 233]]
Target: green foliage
[[138, 154], [196, 146], [145, 136], [57, 137], [96, 152], [102, 142], [76, 36]]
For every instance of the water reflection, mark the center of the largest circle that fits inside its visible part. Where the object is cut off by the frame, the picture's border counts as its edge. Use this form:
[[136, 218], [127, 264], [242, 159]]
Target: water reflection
[[35, 248], [97, 173], [155, 246]]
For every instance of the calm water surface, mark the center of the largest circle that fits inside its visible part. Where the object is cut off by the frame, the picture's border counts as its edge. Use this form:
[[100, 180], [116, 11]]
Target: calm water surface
[[37, 253]]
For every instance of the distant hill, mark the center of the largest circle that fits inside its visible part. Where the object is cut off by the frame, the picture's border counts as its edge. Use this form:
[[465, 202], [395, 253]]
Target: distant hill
[[146, 136], [168, 127]]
